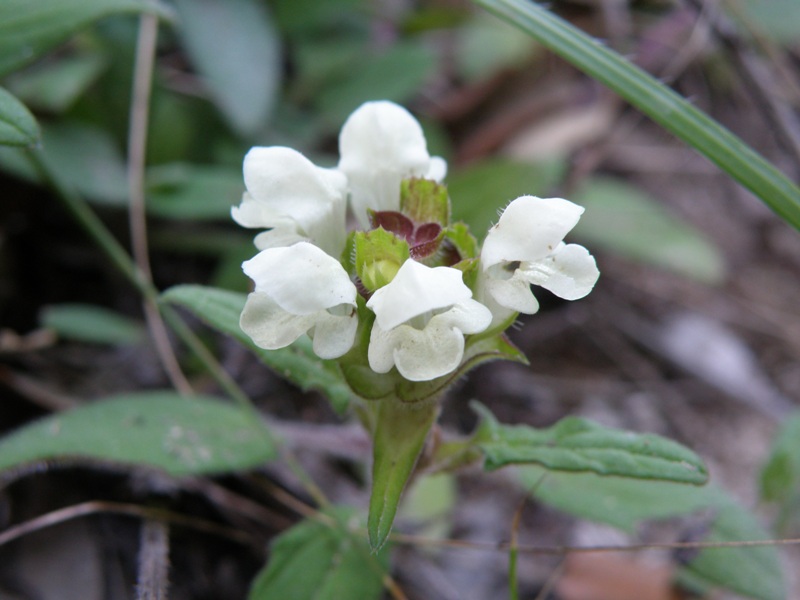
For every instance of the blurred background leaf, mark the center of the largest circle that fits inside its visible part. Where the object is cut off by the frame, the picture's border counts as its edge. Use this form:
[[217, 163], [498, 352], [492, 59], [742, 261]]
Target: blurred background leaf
[[27, 29], [235, 47], [83, 156], [193, 192], [315, 560], [754, 572], [182, 436], [776, 19], [482, 190], [18, 127], [89, 323], [623, 219], [54, 86]]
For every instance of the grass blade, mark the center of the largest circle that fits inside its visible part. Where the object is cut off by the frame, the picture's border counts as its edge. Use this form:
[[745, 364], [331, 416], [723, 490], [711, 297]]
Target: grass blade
[[657, 101]]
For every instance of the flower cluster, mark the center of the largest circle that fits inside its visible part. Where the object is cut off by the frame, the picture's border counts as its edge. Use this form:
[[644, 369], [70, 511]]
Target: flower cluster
[[407, 289]]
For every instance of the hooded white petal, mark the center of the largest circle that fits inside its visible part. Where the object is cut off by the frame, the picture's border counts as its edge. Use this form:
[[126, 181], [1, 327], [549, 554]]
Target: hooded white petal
[[286, 190], [300, 289], [530, 228], [421, 318], [302, 279], [416, 290], [381, 144], [525, 247]]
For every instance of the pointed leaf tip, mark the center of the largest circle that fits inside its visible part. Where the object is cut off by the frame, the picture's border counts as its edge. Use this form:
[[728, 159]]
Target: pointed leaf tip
[[400, 434]]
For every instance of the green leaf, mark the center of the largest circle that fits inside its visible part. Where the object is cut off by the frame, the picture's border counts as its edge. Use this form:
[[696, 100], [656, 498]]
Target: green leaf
[[304, 16], [623, 219], [400, 433], [620, 502], [394, 75], [89, 323], [235, 46], [430, 503], [487, 45], [17, 125], [316, 560], [55, 85], [297, 363], [182, 436], [753, 572], [28, 28], [777, 18], [184, 191], [479, 192], [575, 444], [657, 101], [780, 476], [626, 503], [82, 157]]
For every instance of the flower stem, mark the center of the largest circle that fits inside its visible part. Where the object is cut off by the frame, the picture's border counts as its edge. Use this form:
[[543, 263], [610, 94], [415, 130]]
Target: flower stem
[[137, 143], [98, 232]]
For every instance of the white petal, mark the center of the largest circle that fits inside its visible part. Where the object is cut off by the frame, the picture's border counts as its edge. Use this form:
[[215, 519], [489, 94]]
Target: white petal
[[569, 273], [334, 334], [302, 279], [380, 144], [255, 213], [530, 228], [416, 290], [380, 352], [270, 326], [419, 355], [424, 355], [469, 316], [514, 293], [278, 237], [283, 185], [437, 170], [435, 350]]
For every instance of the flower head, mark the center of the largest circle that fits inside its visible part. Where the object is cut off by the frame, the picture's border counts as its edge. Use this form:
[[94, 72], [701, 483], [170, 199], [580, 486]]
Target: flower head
[[421, 318], [525, 247], [300, 289], [293, 197], [380, 145]]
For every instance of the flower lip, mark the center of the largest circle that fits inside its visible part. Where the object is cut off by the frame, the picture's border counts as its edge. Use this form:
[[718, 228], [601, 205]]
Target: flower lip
[[416, 290], [422, 354]]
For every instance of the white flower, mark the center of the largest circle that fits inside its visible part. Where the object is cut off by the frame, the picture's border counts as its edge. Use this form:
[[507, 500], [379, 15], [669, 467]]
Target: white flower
[[421, 317], [293, 197], [525, 247], [380, 145], [300, 289]]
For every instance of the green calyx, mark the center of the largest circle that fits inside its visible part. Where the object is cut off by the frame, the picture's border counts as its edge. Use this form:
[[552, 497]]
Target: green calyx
[[425, 201], [379, 254]]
